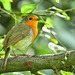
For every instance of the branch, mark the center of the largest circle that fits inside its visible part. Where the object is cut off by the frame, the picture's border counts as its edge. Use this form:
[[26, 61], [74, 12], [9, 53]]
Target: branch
[[69, 10], [63, 61], [4, 11]]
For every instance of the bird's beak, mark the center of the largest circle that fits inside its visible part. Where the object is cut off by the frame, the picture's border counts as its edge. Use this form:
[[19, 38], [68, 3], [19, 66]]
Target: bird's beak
[[38, 19]]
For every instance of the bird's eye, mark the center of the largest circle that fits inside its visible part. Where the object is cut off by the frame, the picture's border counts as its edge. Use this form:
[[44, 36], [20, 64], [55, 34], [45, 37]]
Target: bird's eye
[[30, 18]]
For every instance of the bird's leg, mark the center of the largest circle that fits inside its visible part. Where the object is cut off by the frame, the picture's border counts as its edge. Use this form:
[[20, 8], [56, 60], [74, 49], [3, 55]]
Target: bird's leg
[[14, 54], [23, 52]]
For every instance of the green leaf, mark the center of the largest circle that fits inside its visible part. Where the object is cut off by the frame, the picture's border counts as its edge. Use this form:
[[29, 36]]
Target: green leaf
[[40, 73], [49, 23], [56, 1], [28, 8], [66, 73], [2, 74], [65, 14], [63, 62], [1, 40], [6, 4], [11, 0], [54, 40]]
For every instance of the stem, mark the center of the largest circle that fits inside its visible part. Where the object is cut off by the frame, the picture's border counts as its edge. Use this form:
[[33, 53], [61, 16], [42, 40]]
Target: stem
[[69, 10], [7, 12]]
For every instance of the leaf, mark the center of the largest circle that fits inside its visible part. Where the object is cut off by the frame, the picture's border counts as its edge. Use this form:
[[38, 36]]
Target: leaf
[[56, 1], [63, 62], [66, 73], [2, 56], [11, 0], [65, 14], [40, 73], [2, 74], [28, 8], [54, 40], [6, 4], [1, 52], [49, 23]]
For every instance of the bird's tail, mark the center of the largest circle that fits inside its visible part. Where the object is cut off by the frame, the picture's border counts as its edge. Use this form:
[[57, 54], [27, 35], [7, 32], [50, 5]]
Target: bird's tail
[[7, 51]]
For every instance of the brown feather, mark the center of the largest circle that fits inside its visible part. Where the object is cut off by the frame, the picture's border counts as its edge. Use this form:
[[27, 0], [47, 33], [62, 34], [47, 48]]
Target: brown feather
[[16, 34], [5, 58]]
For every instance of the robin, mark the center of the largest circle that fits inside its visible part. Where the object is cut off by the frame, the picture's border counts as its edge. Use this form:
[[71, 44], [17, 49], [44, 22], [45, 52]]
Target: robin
[[20, 36]]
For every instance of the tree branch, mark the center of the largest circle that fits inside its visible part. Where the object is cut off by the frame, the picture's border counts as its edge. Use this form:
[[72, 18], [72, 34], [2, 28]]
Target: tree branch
[[63, 61]]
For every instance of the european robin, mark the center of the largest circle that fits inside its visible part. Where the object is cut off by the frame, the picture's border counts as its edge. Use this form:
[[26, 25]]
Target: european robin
[[20, 36]]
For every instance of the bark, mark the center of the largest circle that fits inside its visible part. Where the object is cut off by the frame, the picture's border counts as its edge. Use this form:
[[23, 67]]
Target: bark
[[63, 61]]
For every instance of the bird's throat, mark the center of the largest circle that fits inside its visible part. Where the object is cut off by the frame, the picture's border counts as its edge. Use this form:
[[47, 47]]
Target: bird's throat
[[35, 32], [34, 28]]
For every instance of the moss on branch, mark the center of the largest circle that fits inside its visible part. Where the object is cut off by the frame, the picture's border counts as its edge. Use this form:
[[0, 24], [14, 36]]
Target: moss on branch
[[63, 61]]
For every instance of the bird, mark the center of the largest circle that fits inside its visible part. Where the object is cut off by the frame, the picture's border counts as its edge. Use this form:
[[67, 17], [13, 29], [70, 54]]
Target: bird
[[20, 36]]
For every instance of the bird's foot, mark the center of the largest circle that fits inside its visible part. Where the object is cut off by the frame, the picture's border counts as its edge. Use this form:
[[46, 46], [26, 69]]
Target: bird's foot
[[27, 55], [15, 54]]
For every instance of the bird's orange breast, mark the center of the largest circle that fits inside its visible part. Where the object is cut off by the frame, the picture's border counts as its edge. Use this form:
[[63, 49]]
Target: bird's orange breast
[[33, 25]]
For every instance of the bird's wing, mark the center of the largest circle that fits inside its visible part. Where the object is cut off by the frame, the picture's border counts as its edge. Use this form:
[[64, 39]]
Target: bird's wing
[[16, 34]]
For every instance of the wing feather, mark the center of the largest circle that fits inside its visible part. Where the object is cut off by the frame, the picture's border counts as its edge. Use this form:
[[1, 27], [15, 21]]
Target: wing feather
[[16, 34]]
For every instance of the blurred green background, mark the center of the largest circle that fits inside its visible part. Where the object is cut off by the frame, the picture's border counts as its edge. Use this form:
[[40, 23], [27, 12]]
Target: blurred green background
[[55, 39]]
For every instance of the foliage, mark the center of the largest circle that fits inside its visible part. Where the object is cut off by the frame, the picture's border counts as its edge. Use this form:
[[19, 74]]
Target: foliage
[[6, 4], [57, 1], [49, 23], [28, 8], [66, 73]]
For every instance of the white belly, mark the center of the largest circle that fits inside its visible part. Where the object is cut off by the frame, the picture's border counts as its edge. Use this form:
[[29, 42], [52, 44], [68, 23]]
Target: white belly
[[23, 44]]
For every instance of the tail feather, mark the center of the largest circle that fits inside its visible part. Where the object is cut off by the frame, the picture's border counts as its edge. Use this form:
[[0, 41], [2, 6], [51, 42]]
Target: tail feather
[[7, 51]]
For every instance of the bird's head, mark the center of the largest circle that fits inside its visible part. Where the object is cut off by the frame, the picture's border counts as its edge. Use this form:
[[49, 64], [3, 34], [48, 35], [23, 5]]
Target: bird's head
[[32, 21]]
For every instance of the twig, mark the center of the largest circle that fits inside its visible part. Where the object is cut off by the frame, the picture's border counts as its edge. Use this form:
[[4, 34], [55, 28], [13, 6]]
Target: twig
[[6, 12], [59, 41], [38, 2], [69, 10]]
